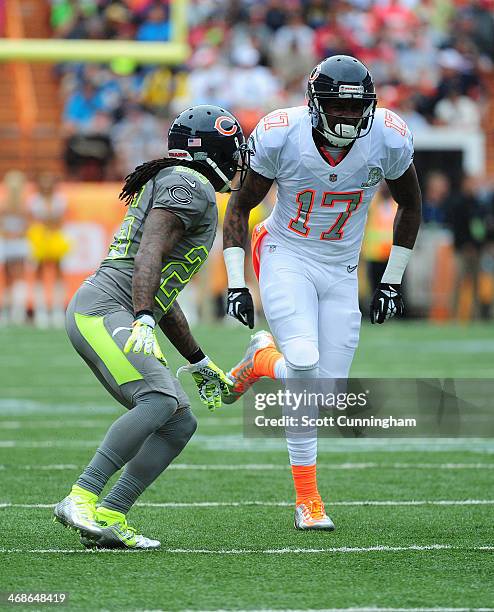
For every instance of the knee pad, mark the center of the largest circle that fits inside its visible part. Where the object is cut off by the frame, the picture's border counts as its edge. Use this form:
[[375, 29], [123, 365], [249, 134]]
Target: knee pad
[[301, 354], [156, 408], [179, 429], [186, 425]]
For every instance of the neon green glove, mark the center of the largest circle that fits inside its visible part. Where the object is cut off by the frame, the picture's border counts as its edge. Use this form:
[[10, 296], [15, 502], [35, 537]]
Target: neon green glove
[[210, 380], [143, 338]]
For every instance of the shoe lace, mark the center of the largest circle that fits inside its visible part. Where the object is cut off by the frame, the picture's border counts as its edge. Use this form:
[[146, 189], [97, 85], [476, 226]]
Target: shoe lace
[[126, 529], [317, 509]]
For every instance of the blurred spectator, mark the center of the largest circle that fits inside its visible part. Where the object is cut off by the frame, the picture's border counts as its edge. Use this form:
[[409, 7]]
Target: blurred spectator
[[476, 21], [67, 15], [471, 221], [138, 137], [156, 27], [89, 155], [118, 22], [209, 79], [276, 14], [430, 60], [457, 110], [251, 85], [14, 249], [435, 199], [293, 48], [82, 107], [396, 19], [49, 246]]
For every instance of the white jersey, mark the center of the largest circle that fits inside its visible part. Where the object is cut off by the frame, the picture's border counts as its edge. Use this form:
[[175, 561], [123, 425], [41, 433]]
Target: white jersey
[[321, 209]]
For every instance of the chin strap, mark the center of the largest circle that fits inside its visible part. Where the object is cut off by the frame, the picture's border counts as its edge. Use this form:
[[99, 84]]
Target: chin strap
[[216, 169]]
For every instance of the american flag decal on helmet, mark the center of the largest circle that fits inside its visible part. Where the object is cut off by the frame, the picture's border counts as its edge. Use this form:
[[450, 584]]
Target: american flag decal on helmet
[[194, 142]]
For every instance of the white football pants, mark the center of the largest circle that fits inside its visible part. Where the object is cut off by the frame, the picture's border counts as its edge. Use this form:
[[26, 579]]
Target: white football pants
[[312, 310]]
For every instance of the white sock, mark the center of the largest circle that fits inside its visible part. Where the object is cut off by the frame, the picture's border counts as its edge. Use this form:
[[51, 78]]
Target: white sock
[[280, 369], [302, 451], [302, 447]]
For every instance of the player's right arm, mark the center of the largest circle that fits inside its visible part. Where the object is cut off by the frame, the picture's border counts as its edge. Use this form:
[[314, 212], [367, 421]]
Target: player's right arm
[[236, 224], [162, 230], [235, 234], [266, 144]]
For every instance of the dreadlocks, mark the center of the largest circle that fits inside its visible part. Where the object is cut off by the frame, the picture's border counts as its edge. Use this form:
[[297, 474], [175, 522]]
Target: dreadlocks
[[141, 175]]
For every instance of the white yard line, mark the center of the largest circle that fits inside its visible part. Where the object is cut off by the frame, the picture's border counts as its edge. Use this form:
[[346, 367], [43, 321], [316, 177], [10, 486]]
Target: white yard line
[[268, 551], [237, 504], [365, 609], [369, 609], [276, 467], [93, 423], [25, 407], [236, 443], [49, 443]]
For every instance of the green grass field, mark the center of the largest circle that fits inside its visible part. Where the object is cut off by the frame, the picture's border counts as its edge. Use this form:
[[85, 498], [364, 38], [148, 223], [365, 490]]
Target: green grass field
[[414, 518]]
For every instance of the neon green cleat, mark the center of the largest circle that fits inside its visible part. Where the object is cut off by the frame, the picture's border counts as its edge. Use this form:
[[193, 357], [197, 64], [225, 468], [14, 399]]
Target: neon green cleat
[[77, 511], [116, 533]]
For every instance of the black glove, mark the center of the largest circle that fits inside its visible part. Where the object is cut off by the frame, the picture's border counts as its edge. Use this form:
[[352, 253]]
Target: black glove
[[240, 306], [387, 302]]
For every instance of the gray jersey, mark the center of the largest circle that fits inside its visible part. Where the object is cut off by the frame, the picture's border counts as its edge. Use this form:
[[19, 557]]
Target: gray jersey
[[191, 197]]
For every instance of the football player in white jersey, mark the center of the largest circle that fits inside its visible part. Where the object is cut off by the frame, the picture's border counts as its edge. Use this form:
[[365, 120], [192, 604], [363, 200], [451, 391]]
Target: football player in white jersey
[[327, 159]]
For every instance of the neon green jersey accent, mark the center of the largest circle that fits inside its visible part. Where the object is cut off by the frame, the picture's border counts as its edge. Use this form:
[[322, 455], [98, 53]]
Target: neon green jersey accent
[[192, 199], [177, 274], [94, 332]]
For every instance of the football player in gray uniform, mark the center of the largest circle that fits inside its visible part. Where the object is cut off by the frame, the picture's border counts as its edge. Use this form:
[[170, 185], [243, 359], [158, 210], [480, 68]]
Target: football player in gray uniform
[[164, 239]]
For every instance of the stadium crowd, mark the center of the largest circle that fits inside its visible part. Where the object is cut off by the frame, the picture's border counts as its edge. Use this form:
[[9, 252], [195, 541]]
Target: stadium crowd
[[428, 59]]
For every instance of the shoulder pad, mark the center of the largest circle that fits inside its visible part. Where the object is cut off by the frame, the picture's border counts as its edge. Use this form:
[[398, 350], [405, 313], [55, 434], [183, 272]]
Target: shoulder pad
[[394, 129]]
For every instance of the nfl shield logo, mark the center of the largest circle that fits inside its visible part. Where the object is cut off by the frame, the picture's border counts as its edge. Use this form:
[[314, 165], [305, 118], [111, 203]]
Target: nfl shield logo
[[333, 178]]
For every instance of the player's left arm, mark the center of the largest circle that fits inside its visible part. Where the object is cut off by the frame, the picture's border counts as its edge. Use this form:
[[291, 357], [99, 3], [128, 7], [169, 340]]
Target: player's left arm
[[406, 193], [211, 382], [387, 300], [176, 328]]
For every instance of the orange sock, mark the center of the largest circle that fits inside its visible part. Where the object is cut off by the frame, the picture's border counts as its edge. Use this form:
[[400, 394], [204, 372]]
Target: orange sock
[[264, 361], [305, 481]]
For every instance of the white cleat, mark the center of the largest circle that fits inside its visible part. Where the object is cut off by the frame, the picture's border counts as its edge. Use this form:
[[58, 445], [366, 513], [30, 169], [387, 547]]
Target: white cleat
[[77, 512], [116, 533], [242, 375], [312, 516], [118, 537]]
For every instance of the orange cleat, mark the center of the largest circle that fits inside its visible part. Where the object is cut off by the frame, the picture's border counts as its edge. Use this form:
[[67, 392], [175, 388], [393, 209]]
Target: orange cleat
[[310, 515], [244, 374]]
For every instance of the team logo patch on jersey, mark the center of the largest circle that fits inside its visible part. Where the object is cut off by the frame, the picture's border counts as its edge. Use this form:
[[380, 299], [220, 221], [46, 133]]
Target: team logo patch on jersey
[[376, 175], [180, 194], [333, 178]]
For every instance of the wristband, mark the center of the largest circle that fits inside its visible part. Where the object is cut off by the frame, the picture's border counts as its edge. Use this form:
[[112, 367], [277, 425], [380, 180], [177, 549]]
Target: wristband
[[196, 356], [397, 262], [234, 262], [202, 363], [145, 317]]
